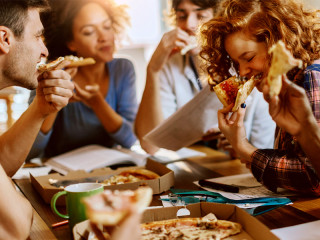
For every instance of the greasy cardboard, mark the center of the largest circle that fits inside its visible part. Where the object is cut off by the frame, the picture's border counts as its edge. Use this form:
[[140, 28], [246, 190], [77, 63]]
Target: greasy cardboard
[[164, 183], [252, 228]]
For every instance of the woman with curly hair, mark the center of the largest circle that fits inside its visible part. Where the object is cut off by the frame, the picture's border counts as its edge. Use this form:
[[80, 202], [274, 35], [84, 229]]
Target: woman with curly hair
[[104, 105], [239, 37], [173, 80]]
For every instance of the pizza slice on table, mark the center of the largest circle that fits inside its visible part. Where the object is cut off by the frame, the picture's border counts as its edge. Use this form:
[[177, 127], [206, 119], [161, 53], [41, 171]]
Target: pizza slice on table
[[282, 62], [234, 90], [130, 176]]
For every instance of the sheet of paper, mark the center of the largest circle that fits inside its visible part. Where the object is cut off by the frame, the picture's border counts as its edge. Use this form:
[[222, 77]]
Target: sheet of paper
[[249, 187], [188, 124], [24, 173], [167, 156], [298, 232]]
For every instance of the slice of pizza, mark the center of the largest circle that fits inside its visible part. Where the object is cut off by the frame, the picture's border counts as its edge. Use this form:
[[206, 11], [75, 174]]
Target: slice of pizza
[[130, 176], [193, 44], [234, 90], [75, 62], [79, 61], [50, 66], [111, 207], [282, 62]]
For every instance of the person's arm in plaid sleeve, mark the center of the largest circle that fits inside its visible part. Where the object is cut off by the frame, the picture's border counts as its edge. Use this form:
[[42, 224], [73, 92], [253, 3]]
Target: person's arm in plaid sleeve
[[292, 112]]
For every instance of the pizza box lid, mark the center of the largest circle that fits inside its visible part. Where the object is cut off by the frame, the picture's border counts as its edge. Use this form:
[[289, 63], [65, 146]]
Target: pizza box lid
[[251, 227], [164, 183]]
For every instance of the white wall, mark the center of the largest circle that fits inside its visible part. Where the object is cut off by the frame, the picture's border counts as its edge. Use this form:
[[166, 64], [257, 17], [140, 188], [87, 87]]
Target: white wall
[[313, 3], [147, 27]]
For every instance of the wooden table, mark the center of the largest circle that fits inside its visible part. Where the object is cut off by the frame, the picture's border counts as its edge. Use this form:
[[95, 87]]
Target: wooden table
[[215, 164]]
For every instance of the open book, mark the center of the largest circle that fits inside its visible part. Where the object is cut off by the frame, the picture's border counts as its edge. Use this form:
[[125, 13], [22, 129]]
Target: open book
[[92, 157]]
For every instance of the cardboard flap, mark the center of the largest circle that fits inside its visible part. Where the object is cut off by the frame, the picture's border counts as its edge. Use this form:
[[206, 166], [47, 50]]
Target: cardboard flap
[[81, 230]]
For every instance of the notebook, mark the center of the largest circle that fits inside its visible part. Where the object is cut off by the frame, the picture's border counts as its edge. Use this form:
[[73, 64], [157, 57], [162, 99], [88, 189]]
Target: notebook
[[91, 157]]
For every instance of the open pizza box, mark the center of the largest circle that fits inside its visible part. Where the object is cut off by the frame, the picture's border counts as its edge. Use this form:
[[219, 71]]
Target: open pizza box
[[159, 185], [251, 227]]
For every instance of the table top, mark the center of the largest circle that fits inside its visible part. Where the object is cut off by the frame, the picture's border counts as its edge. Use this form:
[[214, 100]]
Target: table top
[[215, 164]]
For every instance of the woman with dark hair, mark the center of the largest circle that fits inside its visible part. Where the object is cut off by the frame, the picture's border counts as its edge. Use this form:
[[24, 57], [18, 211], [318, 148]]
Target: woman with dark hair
[[240, 36], [104, 105]]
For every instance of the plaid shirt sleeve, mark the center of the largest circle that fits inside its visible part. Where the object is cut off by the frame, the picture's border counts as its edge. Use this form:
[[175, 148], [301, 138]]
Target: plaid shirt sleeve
[[288, 167]]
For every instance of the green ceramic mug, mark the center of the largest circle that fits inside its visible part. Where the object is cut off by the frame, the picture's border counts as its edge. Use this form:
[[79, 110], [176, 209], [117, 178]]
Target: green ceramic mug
[[75, 208]]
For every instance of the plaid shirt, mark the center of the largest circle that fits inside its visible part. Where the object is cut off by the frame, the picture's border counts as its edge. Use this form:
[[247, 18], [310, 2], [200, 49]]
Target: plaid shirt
[[287, 166]]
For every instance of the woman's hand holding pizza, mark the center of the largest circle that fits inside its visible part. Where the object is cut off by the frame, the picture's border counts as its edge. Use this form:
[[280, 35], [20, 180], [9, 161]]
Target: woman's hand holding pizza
[[233, 129], [291, 108], [54, 90], [88, 94]]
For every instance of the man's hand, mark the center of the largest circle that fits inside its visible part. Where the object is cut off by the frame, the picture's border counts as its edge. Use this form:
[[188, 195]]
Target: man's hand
[[129, 228], [291, 109], [170, 43], [54, 91]]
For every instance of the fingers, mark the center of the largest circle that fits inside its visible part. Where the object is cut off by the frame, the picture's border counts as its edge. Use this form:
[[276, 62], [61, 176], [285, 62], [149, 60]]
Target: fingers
[[222, 116], [240, 114], [56, 87], [63, 64], [92, 88], [211, 134], [265, 91], [99, 234], [226, 109], [292, 88], [129, 228], [72, 71]]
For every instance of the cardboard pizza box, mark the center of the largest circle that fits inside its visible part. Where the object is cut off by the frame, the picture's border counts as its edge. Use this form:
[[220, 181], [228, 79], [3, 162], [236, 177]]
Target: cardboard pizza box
[[251, 227], [162, 184]]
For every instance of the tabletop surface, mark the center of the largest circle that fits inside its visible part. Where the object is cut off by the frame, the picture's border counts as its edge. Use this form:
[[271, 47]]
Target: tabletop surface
[[215, 164]]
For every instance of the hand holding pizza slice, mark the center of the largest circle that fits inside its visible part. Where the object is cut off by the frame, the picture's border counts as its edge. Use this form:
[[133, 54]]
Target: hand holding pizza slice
[[282, 61], [111, 207], [234, 90]]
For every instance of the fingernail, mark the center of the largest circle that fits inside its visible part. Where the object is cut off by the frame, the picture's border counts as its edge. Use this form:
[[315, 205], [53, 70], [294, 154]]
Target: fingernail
[[243, 105]]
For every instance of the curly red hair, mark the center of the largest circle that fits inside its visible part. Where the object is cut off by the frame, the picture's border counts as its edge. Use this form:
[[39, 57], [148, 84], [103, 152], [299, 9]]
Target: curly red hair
[[267, 21]]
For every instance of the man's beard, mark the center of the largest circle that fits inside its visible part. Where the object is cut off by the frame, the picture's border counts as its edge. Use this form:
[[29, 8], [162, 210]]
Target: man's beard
[[18, 70]]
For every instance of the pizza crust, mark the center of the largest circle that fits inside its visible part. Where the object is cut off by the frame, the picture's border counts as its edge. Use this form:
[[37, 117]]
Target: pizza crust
[[79, 61], [282, 62], [243, 93], [193, 44], [50, 66]]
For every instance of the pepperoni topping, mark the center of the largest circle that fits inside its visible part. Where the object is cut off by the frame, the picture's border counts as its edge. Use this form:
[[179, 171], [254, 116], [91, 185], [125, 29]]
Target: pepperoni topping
[[231, 90]]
